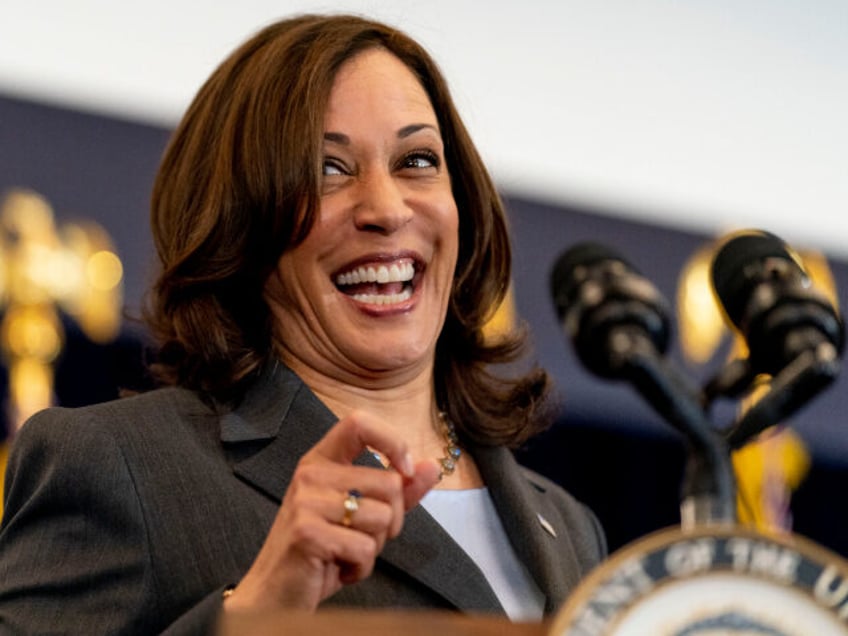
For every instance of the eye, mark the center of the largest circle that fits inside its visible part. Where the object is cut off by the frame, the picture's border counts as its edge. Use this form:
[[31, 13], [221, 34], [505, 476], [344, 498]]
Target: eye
[[333, 167], [420, 159]]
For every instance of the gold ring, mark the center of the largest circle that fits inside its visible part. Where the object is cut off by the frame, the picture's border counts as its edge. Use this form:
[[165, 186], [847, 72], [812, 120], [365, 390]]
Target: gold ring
[[351, 505]]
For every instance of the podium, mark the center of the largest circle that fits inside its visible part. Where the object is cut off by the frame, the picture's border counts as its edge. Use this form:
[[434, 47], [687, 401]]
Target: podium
[[334, 622], [710, 580]]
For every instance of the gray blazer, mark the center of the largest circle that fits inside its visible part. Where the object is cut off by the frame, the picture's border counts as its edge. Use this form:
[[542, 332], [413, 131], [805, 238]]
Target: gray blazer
[[131, 516]]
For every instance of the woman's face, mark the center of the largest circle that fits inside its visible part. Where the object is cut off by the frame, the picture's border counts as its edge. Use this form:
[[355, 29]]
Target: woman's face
[[367, 291]]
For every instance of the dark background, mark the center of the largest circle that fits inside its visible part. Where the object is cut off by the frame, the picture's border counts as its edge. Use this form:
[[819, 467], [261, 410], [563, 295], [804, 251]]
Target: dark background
[[607, 446]]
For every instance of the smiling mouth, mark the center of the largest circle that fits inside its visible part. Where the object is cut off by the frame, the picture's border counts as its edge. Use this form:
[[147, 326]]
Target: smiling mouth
[[379, 283]]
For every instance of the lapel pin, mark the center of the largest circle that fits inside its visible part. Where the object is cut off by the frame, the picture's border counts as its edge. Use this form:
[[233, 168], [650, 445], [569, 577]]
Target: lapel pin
[[547, 525]]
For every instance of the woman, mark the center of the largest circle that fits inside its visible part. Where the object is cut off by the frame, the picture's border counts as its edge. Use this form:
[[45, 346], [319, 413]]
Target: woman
[[331, 246]]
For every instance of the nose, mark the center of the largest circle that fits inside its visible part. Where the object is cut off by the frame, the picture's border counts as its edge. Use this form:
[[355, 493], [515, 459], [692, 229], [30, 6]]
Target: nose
[[381, 205]]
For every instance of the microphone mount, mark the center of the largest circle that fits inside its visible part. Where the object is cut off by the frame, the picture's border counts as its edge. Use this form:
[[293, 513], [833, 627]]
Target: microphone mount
[[794, 335], [708, 493], [813, 370]]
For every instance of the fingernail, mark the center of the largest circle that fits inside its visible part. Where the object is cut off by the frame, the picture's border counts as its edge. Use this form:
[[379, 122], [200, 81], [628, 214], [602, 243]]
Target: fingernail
[[406, 465]]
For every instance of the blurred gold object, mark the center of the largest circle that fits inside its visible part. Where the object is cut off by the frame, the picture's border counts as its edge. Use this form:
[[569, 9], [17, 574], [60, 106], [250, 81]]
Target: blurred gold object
[[767, 471], [699, 317], [44, 270], [771, 466], [503, 320]]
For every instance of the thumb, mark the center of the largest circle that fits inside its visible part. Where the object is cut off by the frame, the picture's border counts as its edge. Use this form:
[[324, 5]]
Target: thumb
[[427, 474]]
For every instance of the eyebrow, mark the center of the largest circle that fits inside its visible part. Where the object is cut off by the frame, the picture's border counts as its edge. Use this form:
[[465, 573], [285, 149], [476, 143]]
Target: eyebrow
[[403, 133], [406, 131]]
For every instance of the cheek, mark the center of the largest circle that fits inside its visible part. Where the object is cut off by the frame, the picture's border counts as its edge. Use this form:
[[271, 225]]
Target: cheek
[[280, 285], [451, 231], [445, 211]]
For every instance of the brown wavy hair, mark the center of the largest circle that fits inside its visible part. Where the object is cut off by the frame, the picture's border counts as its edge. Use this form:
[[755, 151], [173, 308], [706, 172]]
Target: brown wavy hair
[[239, 184]]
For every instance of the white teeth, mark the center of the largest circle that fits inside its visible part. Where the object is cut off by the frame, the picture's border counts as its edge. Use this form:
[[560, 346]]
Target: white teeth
[[399, 272], [383, 299], [395, 273]]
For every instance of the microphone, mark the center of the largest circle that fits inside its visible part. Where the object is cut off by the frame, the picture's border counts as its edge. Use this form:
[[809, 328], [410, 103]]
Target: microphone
[[794, 334], [768, 297], [619, 325], [608, 309]]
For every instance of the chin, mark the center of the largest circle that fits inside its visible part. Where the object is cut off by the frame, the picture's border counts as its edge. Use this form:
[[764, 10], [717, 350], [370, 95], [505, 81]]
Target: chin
[[393, 358]]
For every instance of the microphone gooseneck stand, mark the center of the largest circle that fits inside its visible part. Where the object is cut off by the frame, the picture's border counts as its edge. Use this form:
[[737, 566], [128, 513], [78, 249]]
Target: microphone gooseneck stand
[[801, 380], [708, 495], [807, 365]]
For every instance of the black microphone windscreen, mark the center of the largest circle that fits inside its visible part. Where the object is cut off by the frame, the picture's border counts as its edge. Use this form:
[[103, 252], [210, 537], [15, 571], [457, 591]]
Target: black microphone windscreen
[[770, 299], [608, 309], [731, 281], [565, 274]]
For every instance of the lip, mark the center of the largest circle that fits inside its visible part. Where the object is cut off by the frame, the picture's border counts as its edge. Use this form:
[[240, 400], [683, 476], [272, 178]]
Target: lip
[[419, 265]]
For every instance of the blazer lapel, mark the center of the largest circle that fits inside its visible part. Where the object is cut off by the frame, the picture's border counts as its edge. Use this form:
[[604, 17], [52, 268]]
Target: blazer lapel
[[278, 421], [427, 553], [527, 517]]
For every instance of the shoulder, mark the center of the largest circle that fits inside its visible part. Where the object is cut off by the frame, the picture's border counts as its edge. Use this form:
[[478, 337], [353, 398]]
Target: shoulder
[[585, 528], [116, 417], [545, 485], [92, 440], [549, 489], [82, 515], [522, 488], [500, 467]]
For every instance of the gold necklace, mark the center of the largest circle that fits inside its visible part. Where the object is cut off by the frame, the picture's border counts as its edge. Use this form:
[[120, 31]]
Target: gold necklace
[[452, 450]]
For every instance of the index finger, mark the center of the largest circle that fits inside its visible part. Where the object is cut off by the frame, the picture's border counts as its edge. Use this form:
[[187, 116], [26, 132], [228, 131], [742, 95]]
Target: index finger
[[357, 431]]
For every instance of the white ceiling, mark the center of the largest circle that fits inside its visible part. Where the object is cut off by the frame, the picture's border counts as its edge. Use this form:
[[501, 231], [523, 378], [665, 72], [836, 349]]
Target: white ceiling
[[703, 114]]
